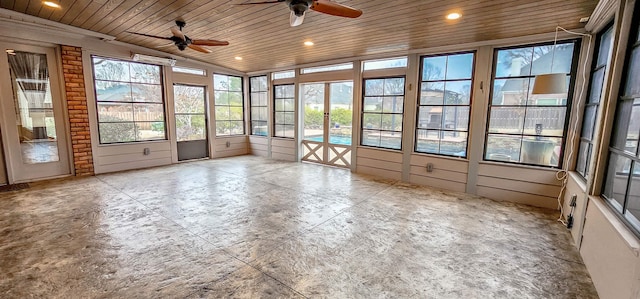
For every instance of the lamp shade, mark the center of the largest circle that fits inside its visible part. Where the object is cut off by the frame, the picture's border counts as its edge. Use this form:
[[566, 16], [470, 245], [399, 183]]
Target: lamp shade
[[550, 84]]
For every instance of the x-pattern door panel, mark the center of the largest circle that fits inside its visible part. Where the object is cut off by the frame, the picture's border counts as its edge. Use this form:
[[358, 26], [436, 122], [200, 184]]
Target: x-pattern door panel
[[327, 134]]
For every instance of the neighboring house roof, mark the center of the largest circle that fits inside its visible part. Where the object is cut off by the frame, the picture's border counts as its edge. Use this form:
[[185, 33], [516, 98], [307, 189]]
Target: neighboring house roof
[[118, 93], [540, 66], [446, 92]]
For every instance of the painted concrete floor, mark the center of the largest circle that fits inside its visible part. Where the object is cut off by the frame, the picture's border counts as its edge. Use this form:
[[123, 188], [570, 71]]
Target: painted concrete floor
[[248, 227]]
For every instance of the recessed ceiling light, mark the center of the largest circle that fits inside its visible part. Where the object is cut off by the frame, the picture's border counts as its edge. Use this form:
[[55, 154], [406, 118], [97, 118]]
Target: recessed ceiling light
[[53, 4], [238, 58], [453, 16], [308, 43]]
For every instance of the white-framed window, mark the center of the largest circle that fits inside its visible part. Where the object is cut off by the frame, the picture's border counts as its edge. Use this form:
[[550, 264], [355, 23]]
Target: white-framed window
[[284, 75], [327, 68], [188, 70], [622, 178], [520, 130], [604, 42], [284, 112], [258, 101], [387, 63], [228, 104], [444, 104], [383, 112], [129, 101]]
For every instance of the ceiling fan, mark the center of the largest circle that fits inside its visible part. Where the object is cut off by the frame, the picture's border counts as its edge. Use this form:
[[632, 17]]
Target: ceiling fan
[[182, 41], [300, 7]]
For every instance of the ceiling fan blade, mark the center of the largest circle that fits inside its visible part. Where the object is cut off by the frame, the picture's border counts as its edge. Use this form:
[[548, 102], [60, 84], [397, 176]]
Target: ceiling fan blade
[[262, 2], [177, 33], [335, 9], [295, 20], [167, 45], [199, 49], [209, 42], [149, 35]]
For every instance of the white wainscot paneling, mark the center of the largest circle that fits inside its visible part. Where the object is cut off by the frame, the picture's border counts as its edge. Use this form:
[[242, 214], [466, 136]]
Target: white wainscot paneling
[[610, 252], [230, 146], [259, 146], [447, 173], [118, 157], [283, 149], [526, 185], [377, 162]]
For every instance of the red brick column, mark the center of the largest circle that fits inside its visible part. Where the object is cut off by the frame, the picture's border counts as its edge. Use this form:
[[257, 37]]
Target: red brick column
[[77, 108]]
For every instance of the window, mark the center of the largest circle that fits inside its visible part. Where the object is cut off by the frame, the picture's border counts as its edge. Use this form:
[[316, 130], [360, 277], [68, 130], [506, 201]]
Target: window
[[259, 114], [622, 181], [327, 68], [525, 128], [229, 105], [444, 104], [188, 70], [284, 111], [600, 65], [129, 101], [284, 75], [400, 62], [382, 112]]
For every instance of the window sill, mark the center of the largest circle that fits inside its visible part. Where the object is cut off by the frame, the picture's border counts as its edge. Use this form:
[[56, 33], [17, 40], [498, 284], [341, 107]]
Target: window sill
[[283, 138], [515, 165], [452, 158], [390, 150], [133, 143], [623, 231], [579, 180], [231, 136]]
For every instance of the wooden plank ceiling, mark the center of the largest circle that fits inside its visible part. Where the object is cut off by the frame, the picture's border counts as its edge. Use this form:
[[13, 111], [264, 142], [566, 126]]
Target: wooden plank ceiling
[[262, 36]]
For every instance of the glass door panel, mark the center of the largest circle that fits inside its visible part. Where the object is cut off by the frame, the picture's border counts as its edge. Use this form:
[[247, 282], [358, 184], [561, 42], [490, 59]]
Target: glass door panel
[[35, 140], [191, 121], [313, 103], [341, 113], [34, 107]]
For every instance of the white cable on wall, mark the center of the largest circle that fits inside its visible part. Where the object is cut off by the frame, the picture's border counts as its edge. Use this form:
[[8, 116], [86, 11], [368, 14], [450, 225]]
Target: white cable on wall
[[562, 174]]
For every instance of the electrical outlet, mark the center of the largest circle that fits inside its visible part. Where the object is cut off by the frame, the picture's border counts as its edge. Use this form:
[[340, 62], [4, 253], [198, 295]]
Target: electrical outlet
[[574, 198], [146, 151], [429, 167]]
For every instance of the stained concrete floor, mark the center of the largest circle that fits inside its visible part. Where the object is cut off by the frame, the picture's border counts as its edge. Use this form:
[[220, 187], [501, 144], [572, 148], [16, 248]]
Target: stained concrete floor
[[248, 227]]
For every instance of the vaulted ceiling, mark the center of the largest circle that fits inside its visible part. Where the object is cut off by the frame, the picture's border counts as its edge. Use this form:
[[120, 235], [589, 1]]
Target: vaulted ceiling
[[261, 34]]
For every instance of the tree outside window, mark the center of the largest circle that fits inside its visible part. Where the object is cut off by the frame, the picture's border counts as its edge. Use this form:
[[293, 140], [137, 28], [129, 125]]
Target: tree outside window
[[229, 105], [129, 101], [444, 104], [524, 128]]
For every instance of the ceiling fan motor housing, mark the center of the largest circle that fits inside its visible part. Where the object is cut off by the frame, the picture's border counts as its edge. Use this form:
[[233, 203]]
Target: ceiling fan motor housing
[[299, 7]]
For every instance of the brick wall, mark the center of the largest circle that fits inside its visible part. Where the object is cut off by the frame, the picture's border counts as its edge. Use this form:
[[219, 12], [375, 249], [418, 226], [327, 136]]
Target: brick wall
[[77, 107]]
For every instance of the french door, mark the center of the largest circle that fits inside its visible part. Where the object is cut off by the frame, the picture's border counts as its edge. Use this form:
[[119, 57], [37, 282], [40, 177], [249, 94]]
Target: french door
[[33, 126], [191, 121], [327, 122]]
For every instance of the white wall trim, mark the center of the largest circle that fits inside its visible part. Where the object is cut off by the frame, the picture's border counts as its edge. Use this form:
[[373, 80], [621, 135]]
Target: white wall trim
[[602, 15]]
